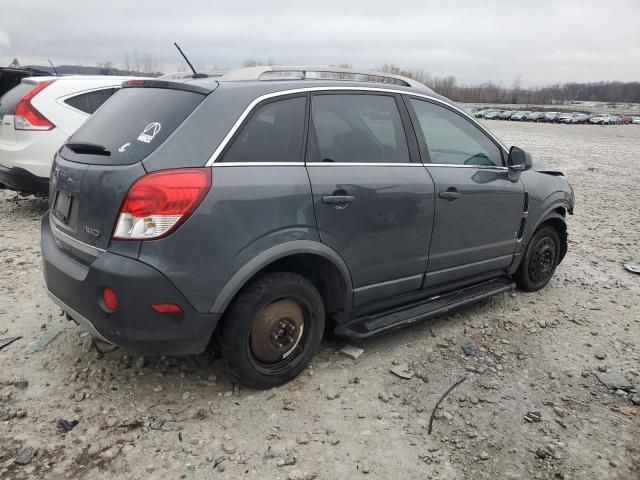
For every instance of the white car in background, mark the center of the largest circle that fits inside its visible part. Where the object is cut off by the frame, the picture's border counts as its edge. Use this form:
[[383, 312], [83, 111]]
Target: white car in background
[[600, 119], [37, 117]]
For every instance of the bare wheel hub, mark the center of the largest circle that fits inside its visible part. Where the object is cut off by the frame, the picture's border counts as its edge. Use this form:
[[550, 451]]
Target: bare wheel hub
[[276, 330]]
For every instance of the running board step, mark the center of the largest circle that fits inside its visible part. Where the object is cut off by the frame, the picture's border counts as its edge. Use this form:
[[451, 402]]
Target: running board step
[[370, 325]]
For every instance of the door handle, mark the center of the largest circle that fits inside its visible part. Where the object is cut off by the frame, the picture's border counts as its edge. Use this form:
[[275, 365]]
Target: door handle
[[338, 199], [451, 194]]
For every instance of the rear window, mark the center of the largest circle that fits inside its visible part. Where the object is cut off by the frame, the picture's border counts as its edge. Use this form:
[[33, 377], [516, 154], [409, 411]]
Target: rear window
[[8, 80], [89, 102], [10, 99], [132, 124]]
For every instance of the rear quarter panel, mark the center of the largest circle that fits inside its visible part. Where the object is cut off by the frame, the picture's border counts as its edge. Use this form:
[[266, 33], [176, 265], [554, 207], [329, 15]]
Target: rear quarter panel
[[248, 210]]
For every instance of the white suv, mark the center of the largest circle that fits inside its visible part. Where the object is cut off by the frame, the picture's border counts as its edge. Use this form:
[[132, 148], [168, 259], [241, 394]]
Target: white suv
[[37, 116]]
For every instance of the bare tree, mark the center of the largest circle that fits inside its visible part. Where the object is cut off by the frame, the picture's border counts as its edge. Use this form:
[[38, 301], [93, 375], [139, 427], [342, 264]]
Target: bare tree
[[516, 90], [250, 62], [106, 68]]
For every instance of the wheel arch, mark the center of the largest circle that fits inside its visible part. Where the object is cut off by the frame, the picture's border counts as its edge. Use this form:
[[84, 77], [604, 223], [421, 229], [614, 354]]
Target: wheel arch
[[556, 218], [315, 261]]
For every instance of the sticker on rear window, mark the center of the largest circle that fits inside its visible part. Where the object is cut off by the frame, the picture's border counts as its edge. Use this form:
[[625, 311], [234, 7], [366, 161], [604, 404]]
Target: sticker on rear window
[[149, 132]]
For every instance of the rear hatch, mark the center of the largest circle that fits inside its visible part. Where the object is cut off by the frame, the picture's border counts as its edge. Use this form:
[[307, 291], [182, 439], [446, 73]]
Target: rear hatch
[[93, 171]]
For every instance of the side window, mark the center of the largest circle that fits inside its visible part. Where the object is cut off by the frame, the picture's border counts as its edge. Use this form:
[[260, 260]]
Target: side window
[[90, 102], [358, 128], [274, 133], [453, 140]]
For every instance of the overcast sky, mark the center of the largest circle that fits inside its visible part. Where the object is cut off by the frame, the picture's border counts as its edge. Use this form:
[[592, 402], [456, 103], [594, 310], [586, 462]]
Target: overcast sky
[[544, 41]]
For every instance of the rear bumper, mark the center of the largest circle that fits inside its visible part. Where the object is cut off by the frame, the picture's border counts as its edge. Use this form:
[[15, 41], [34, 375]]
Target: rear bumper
[[21, 180], [77, 288]]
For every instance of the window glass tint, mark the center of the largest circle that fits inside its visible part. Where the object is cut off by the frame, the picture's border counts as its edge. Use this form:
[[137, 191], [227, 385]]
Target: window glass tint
[[133, 123], [9, 100], [274, 133], [90, 101], [358, 128], [451, 139]]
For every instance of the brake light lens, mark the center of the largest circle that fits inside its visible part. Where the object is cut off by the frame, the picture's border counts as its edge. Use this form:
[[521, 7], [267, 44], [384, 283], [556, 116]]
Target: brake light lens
[[27, 117], [110, 299], [158, 203]]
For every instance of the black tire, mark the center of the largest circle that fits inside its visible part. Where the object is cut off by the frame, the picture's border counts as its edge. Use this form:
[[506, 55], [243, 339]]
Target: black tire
[[540, 260], [246, 338]]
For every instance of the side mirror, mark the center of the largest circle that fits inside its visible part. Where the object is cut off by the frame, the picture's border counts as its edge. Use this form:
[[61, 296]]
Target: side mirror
[[519, 160]]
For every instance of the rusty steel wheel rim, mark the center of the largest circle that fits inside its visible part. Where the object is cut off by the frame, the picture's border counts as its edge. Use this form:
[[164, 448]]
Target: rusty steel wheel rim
[[276, 333]]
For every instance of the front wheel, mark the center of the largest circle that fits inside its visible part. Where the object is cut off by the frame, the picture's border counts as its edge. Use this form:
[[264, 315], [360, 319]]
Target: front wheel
[[272, 330], [540, 260]]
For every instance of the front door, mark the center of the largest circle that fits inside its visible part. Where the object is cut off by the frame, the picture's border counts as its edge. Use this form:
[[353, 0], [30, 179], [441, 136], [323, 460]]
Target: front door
[[478, 206], [373, 205]]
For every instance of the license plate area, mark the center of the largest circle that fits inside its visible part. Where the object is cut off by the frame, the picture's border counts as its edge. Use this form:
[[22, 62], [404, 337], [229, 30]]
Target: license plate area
[[62, 206]]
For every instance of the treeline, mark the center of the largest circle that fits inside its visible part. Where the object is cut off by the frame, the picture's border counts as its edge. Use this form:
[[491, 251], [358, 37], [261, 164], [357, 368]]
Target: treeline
[[489, 92]]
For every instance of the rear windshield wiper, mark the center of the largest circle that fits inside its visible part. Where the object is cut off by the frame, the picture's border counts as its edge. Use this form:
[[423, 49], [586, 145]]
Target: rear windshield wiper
[[88, 148]]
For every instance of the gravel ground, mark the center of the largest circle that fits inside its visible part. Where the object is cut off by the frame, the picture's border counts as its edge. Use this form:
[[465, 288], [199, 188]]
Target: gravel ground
[[344, 418]]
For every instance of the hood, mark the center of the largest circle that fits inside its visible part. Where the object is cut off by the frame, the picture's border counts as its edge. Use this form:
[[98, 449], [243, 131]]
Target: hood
[[541, 167]]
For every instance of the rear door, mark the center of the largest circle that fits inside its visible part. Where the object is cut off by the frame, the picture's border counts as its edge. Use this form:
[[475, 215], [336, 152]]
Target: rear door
[[373, 200], [478, 206]]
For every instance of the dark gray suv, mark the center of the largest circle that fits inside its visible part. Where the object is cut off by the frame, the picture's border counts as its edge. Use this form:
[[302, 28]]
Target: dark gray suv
[[253, 211]]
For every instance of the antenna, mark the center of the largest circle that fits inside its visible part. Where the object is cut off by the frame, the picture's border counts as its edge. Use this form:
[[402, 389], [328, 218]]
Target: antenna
[[54, 68], [195, 74]]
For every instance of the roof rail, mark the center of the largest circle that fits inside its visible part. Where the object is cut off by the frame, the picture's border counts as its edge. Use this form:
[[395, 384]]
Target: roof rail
[[318, 73]]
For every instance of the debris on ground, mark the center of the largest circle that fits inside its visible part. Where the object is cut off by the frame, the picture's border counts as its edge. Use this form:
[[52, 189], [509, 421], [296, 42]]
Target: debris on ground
[[6, 341], [433, 412], [629, 410], [614, 381], [65, 426], [533, 417], [632, 267], [44, 339], [20, 384], [470, 349], [351, 351], [26, 455], [403, 371]]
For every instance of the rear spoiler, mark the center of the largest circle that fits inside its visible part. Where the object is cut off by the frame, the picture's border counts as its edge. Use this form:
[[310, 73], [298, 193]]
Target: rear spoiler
[[139, 83]]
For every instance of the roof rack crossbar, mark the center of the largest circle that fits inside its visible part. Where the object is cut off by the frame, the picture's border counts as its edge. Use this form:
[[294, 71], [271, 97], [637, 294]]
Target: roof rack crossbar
[[318, 73]]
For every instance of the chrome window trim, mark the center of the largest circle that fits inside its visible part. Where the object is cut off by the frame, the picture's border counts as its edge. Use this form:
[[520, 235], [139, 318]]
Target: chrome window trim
[[342, 164], [364, 164], [256, 101], [77, 244], [453, 165], [259, 164]]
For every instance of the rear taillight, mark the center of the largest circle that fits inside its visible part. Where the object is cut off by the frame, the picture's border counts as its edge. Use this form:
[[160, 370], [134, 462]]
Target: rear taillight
[[159, 202], [27, 117]]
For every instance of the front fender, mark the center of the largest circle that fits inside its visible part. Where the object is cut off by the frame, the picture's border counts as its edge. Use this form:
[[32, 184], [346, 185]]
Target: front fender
[[270, 255]]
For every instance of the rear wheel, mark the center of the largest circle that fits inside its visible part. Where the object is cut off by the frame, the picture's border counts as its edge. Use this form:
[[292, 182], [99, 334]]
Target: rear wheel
[[272, 330], [540, 260]]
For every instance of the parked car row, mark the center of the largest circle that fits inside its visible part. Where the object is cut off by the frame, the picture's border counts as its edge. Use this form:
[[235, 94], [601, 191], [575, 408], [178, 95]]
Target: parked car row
[[556, 117]]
